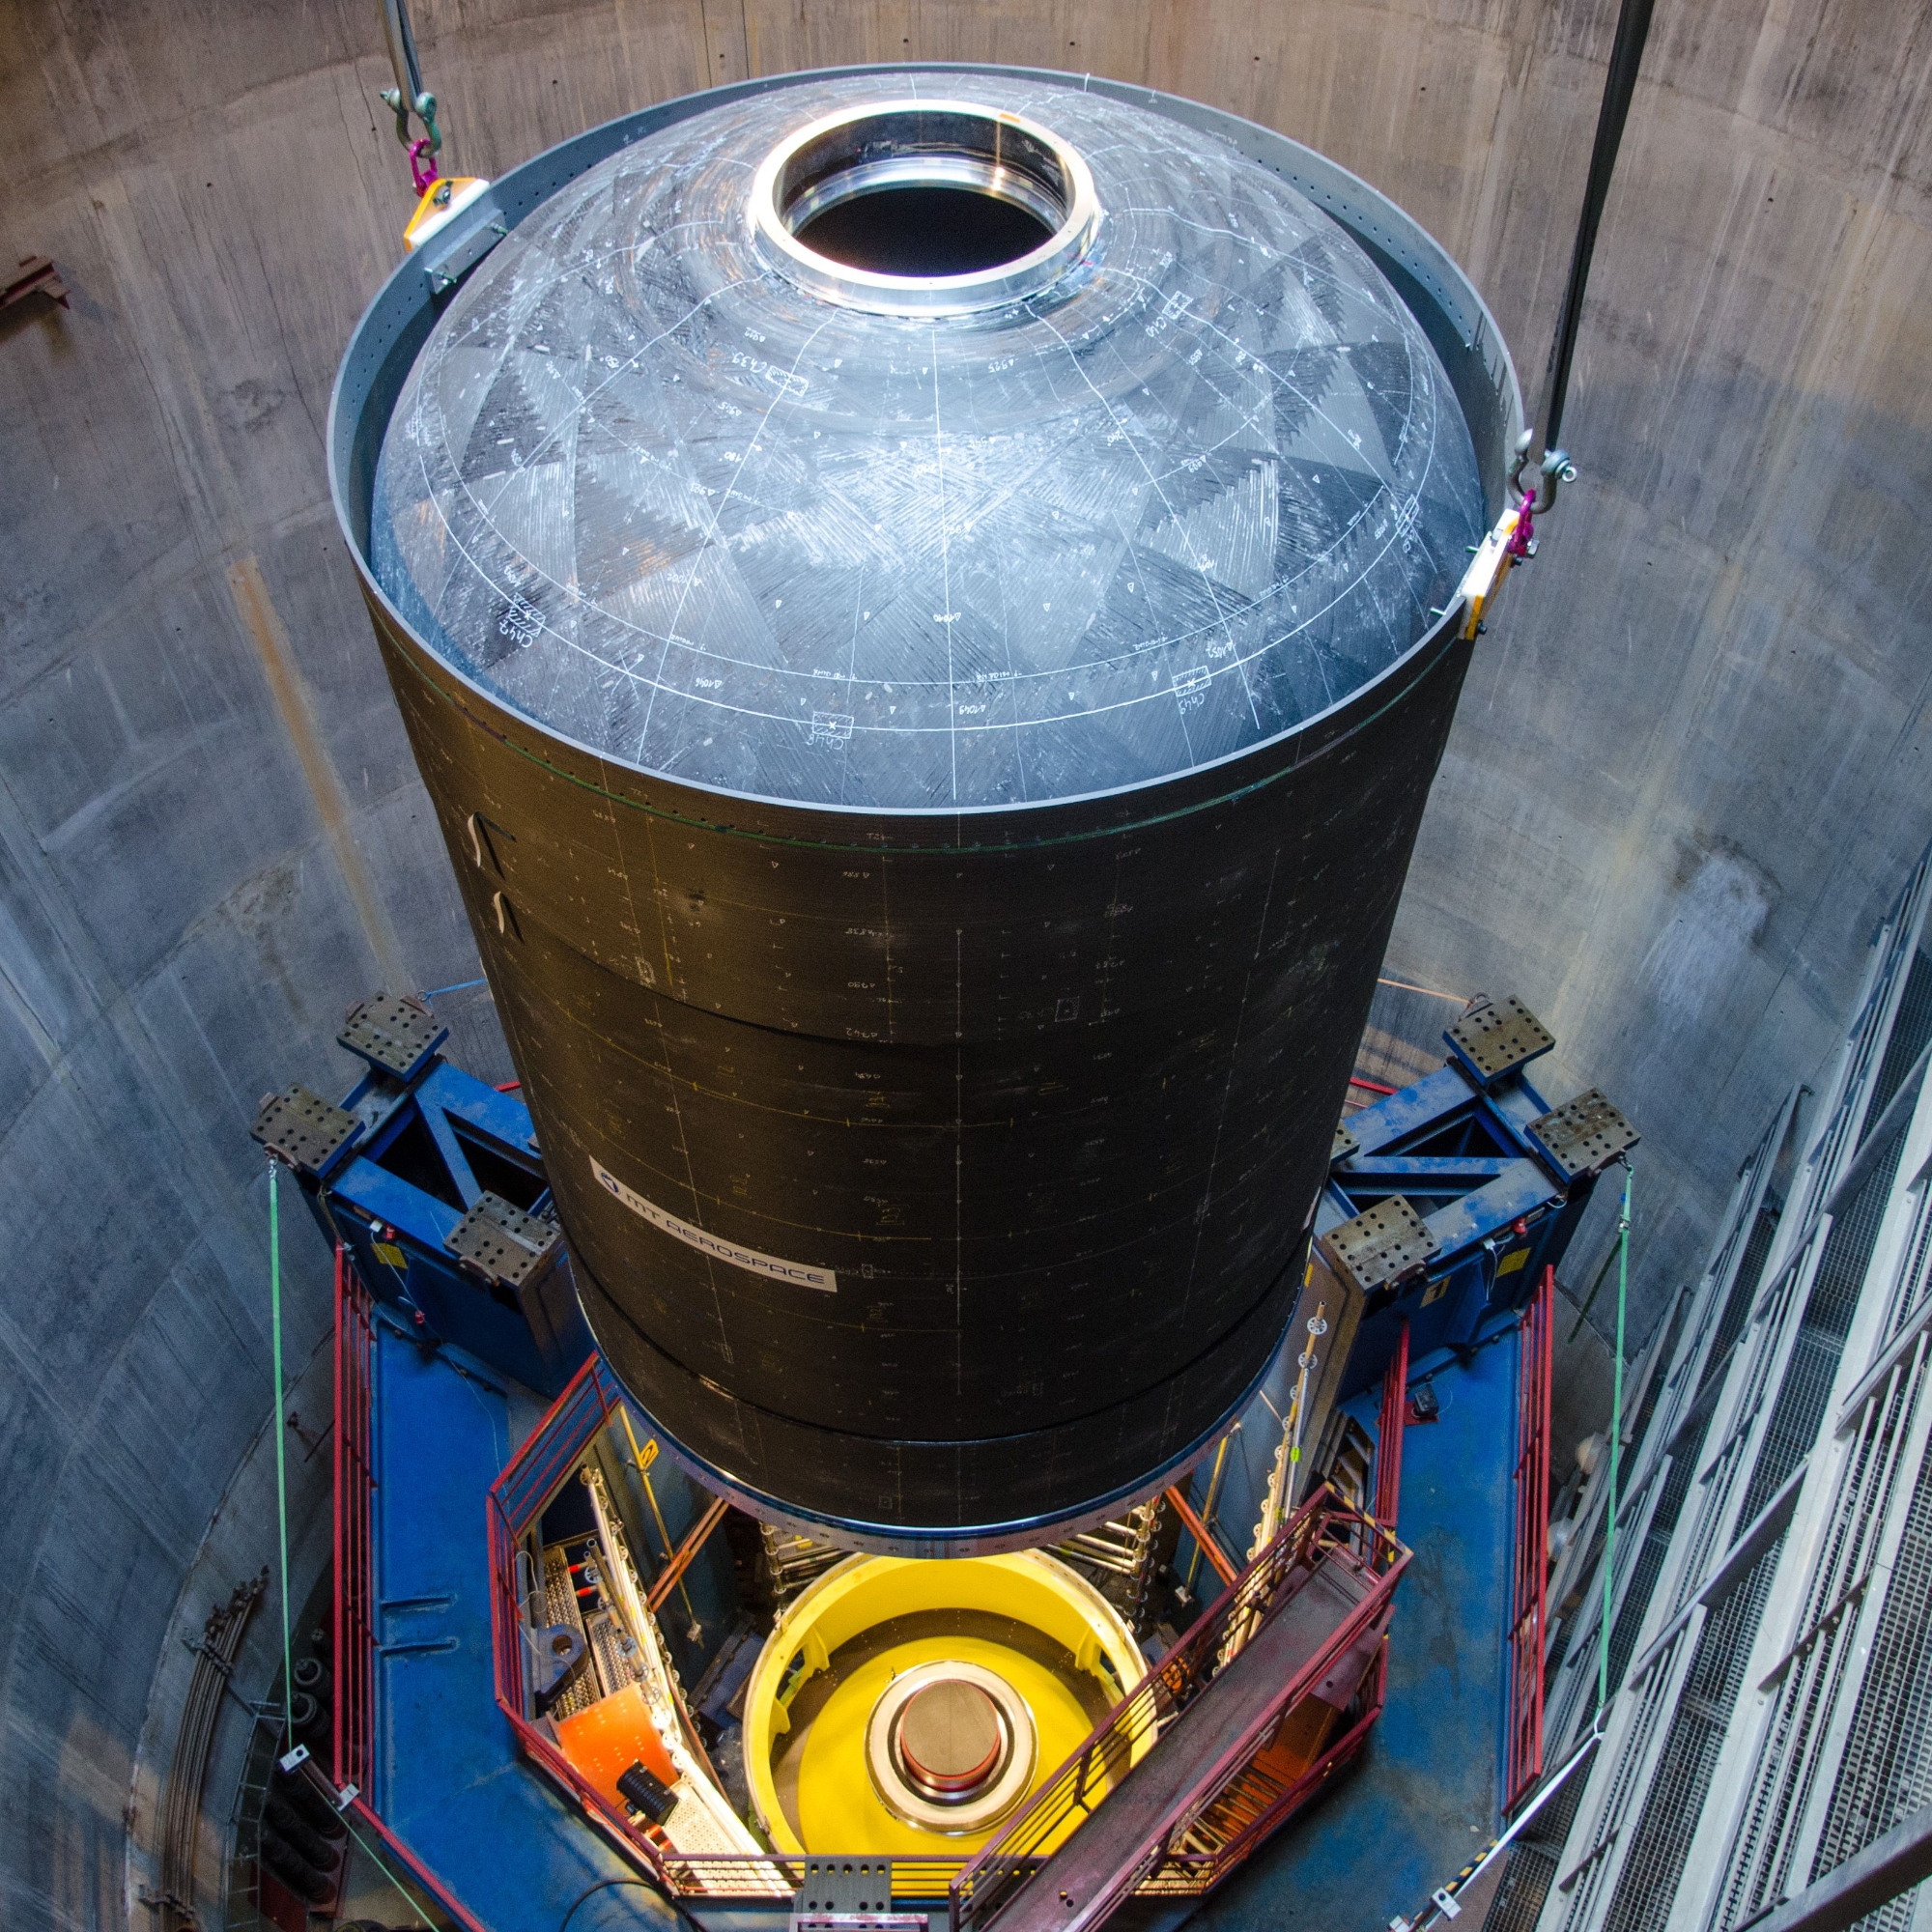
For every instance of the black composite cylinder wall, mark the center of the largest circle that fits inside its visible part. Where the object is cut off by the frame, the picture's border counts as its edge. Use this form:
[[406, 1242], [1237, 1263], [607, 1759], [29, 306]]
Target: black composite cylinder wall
[[1053, 1106], [934, 1173]]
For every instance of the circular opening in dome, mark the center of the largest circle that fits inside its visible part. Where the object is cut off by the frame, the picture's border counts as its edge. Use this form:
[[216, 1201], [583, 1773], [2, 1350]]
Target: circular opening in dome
[[924, 207], [922, 228]]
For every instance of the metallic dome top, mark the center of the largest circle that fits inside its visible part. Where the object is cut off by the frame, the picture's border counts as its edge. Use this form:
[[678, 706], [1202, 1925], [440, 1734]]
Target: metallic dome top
[[1165, 477]]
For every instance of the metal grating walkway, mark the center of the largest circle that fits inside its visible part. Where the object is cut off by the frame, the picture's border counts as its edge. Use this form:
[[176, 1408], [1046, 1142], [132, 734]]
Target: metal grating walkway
[[1646, 1886], [1521, 1896], [1763, 1552], [1885, 1771]]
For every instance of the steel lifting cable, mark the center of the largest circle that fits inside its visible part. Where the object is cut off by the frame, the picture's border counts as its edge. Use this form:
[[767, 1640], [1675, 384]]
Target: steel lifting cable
[[1589, 1301], [409, 96], [1619, 86]]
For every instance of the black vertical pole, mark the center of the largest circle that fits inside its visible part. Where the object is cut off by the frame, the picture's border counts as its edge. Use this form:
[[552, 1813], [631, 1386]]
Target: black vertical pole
[[1619, 84]]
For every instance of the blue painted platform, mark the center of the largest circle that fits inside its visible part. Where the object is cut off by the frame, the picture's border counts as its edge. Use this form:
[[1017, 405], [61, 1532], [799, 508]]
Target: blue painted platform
[[448, 1782], [1426, 1790], [498, 1839]]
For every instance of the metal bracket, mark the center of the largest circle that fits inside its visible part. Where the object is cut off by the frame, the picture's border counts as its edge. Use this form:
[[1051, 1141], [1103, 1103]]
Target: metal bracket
[[554, 1651], [850, 1895], [502, 1244], [298, 1763], [1346, 1145], [1381, 1246], [1583, 1136], [1488, 566], [443, 271], [398, 1036], [1498, 1040], [304, 1131], [860, 1922], [36, 275]]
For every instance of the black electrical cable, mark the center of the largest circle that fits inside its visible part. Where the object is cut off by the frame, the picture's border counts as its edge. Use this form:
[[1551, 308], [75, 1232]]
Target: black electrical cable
[[643, 1885], [1619, 85]]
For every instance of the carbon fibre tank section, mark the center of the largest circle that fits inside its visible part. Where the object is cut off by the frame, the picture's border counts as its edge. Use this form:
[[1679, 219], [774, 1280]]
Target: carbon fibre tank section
[[930, 753]]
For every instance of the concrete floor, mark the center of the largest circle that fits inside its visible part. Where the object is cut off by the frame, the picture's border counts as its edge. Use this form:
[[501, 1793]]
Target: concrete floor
[[1689, 771]]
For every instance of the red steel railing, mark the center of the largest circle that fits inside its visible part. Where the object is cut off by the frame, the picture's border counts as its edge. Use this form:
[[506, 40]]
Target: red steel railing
[[1390, 1432], [1236, 1801], [517, 1499], [353, 1749], [1226, 1812], [1529, 1611]]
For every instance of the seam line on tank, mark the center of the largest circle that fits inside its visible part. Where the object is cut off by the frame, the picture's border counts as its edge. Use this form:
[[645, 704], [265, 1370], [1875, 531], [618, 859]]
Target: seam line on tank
[[924, 1443], [879, 850]]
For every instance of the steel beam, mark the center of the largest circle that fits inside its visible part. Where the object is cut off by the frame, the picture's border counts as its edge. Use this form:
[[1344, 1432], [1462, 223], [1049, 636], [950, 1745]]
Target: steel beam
[[1203, 1536], [685, 1551], [1865, 1881]]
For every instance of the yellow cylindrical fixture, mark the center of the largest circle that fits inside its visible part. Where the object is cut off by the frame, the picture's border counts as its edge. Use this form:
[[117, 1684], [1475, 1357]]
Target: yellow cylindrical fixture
[[910, 1708]]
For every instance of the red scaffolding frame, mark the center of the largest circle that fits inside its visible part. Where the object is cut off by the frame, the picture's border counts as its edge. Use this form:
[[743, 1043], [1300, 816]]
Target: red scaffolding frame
[[1529, 1609], [1256, 1803], [1388, 1432], [1233, 1805], [518, 1497], [353, 1754]]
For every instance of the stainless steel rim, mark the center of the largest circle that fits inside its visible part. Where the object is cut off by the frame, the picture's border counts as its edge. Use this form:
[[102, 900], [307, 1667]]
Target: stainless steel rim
[[925, 143], [956, 1817]]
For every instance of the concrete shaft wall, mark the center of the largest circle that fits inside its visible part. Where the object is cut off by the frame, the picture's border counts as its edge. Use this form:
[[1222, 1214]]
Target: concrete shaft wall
[[1689, 771]]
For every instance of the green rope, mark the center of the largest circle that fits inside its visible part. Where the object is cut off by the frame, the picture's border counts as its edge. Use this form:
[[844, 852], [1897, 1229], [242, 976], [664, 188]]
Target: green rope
[[408, 1897], [1617, 1447], [282, 1446]]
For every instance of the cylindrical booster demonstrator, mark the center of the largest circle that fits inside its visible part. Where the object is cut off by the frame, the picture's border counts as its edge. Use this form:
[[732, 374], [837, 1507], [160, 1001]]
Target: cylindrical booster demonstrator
[[919, 599]]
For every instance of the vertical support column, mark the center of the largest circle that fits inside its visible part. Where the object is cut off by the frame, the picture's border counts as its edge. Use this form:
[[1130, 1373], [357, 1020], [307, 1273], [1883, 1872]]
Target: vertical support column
[[338, 1654], [1387, 1501], [353, 1628], [1524, 1764]]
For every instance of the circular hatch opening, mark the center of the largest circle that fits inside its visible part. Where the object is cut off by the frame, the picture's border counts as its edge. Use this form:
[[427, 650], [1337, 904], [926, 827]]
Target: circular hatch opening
[[924, 207]]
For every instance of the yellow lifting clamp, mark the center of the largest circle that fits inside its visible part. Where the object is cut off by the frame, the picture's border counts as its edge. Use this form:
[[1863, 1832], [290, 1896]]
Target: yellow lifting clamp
[[1505, 546], [441, 198], [443, 201]]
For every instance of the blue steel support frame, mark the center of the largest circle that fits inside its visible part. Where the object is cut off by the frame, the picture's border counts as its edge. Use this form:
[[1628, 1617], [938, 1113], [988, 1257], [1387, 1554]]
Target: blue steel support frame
[[1458, 1151], [431, 1146]]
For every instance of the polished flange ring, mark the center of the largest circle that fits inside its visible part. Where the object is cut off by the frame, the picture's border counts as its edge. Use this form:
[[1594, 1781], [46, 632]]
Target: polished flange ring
[[924, 143], [950, 1747]]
